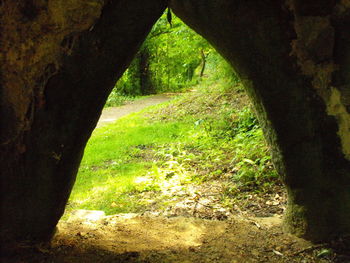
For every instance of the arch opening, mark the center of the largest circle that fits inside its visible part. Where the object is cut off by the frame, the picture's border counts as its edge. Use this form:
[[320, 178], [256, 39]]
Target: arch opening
[[207, 134]]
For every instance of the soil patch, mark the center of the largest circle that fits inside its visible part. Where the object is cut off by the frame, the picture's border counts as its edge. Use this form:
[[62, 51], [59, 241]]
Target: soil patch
[[158, 239]]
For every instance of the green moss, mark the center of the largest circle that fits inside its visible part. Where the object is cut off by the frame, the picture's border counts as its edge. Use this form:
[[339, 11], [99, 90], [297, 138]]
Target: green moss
[[336, 108]]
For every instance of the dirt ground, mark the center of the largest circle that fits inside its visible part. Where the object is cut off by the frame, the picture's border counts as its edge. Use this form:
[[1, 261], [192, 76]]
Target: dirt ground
[[91, 237]]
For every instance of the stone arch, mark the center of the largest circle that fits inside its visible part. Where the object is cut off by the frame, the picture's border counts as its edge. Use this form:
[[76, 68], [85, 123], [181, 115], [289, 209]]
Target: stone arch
[[59, 61]]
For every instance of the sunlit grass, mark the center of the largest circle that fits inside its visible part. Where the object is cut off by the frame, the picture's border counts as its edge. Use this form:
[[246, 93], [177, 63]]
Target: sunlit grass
[[111, 162]]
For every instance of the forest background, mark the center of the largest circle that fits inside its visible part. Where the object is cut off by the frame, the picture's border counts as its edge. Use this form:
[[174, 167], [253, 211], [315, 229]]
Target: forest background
[[173, 58]]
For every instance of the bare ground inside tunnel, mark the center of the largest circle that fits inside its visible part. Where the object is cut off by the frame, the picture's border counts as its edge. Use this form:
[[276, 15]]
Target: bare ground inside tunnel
[[158, 239]]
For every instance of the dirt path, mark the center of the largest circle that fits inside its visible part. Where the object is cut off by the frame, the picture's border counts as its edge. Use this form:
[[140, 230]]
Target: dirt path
[[113, 113]]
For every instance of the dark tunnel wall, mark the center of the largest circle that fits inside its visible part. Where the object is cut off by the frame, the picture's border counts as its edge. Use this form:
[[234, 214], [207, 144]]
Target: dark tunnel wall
[[58, 66]]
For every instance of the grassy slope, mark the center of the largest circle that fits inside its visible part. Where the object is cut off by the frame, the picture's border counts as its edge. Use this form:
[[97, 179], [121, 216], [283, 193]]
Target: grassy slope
[[200, 136]]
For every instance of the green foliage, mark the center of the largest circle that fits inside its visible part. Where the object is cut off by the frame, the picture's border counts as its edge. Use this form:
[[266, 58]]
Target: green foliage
[[252, 161], [172, 59], [219, 70], [129, 83]]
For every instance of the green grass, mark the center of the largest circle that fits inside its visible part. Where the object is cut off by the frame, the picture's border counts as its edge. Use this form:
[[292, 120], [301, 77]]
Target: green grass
[[200, 136], [113, 142], [110, 165]]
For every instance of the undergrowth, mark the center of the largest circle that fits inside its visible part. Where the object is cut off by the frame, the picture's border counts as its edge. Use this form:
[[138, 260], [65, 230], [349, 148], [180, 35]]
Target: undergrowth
[[201, 136]]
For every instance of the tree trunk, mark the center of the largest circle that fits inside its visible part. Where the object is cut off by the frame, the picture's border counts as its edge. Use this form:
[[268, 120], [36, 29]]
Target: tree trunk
[[294, 62], [204, 58], [58, 64], [147, 87]]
